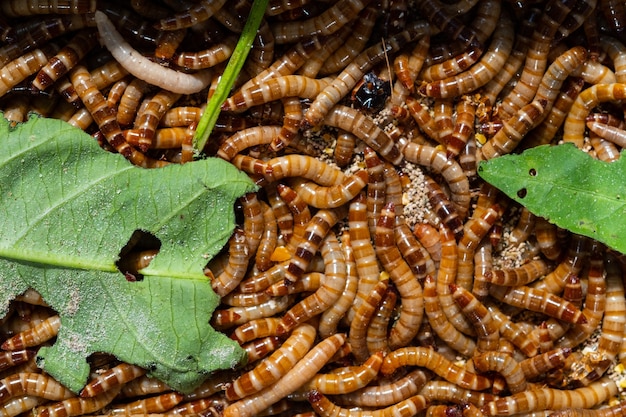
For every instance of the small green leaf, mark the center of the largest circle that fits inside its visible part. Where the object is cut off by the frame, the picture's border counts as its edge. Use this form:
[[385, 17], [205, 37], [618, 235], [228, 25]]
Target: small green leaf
[[568, 187], [230, 74], [68, 208]]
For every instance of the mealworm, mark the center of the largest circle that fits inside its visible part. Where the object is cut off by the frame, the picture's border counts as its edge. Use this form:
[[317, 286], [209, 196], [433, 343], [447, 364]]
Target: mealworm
[[238, 256], [323, 406], [142, 133], [197, 13], [253, 225], [106, 381], [479, 316], [456, 65], [141, 67], [429, 237], [405, 281], [376, 338], [29, 383], [301, 213], [357, 336], [572, 263], [105, 117], [255, 329], [65, 59], [351, 75], [572, 292], [348, 379], [157, 404], [235, 316], [421, 115], [15, 357], [328, 293], [327, 23], [367, 266], [360, 32], [525, 274], [428, 358], [537, 365], [506, 366], [20, 68], [539, 301], [35, 335], [301, 372], [15, 8], [607, 132], [272, 368], [552, 399], [331, 317], [76, 405], [480, 73], [616, 410], [513, 332], [19, 405], [536, 59], [274, 89], [446, 212], [574, 126], [334, 196], [412, 250], [364, 128]]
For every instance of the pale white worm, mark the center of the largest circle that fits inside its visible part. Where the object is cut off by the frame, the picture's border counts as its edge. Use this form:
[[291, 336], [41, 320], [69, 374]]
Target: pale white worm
[[141, 67]]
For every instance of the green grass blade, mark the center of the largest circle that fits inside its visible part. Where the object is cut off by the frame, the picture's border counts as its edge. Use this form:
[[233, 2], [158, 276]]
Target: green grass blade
[[235, 63]]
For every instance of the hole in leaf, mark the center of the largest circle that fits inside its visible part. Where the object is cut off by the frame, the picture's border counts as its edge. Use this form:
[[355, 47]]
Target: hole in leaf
[[532, 172], [137, 254], [521, 193]]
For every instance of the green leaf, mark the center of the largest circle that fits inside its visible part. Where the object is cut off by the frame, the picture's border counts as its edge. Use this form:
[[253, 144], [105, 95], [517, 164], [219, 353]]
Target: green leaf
[[568, 187], [230, 74], [68, 208]]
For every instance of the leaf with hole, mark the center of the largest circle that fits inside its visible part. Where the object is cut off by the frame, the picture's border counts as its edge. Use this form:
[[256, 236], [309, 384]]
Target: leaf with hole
[[68, 209], [567, 187]]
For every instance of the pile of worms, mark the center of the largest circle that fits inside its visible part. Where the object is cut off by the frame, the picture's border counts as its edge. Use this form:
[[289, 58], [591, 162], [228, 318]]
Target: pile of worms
[[373, 273]]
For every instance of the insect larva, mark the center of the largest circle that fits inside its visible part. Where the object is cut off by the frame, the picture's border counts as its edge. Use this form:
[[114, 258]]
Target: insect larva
[[238, 256], [355, 71], [303, 166], [253, 225], [76, 405], [616, 410], [15, 8], [207, 406], [246, 138], [334, 196], [364, 128], [28, 383], [428, 358], [301, 213], [235, 316], [421, 115], [451, 171], [456, 65], [20, 68], [376, 338], [260, 348], [405, 281], [486, 327], [513, 332], [331, 317], [537, 365], [291, 123], [179, 116], [15, 357], [141, 67], [271, 369], [269, 239], [574, 126], [364, 254], [412, 251], [525, 274], [106, 381], [428, 236], [344, 148], [348, 379], [357, 336], [67, 57], [506, 366], [607, 132], [480, 73], [552, 399], [19, 405], [572, 263], [360, 32], [147, 120], [35, 335], [199, 12], [446, 211], [157, 404], [546, 235], [105, 116], [238, 299], [255, 329], [539, 301], [327, 23], [301, 372], [617, 53], [129, 102], [325, 408], [328, 293]]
